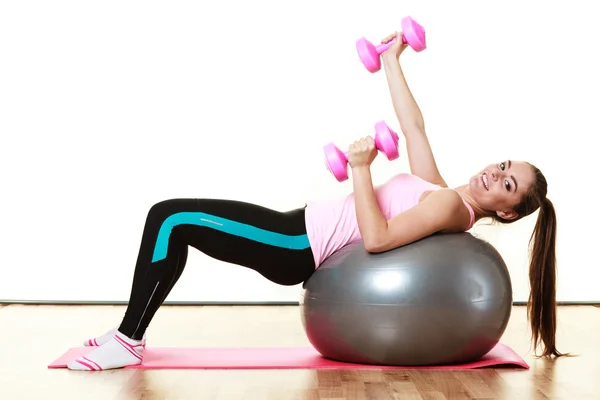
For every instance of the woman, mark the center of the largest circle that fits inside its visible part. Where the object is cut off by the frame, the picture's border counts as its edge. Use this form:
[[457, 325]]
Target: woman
[[286, 247]]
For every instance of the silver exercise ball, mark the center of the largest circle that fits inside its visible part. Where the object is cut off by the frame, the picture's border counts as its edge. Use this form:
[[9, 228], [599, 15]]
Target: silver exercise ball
[[445, 299]]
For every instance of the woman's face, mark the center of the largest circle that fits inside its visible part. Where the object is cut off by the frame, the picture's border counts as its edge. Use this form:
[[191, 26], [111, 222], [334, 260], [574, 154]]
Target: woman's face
[[500, 187]]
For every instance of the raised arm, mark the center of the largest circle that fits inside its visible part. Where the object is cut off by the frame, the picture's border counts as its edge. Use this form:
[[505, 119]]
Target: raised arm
[[420, 156]]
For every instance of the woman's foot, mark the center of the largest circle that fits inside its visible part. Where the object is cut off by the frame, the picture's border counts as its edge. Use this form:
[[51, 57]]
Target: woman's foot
[[118, 352], [100, 340]]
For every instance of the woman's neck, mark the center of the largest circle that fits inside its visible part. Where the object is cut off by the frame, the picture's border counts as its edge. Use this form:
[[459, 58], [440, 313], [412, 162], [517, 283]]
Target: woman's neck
[[464, 192]]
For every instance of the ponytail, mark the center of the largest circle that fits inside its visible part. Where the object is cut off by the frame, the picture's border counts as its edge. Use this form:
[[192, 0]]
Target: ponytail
[[541, 308]]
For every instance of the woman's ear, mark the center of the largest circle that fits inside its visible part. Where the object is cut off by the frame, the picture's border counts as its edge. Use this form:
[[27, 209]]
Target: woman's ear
[[508, 214]]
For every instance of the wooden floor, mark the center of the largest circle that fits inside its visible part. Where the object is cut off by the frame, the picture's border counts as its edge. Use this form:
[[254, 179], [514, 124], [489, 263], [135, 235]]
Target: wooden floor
[[33, 336]]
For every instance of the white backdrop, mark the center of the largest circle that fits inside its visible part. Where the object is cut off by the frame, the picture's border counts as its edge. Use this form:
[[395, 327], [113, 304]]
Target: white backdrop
[[108, 107]]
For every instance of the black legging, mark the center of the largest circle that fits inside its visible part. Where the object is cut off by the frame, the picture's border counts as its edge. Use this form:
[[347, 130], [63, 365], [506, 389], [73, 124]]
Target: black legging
[[273, 243]]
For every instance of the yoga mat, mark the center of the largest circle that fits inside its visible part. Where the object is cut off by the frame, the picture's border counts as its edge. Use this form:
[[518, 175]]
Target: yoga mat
[[275, 358]]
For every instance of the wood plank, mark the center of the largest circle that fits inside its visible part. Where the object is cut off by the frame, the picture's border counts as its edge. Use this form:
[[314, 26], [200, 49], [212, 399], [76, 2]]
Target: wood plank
[[39, 334]]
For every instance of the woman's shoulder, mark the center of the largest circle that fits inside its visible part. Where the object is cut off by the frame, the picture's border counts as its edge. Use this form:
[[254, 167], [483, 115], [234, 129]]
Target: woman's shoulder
[[452, 208], [449, 198]]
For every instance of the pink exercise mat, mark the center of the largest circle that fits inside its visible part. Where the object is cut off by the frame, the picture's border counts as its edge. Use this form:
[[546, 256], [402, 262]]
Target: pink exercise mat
[[275, 358]]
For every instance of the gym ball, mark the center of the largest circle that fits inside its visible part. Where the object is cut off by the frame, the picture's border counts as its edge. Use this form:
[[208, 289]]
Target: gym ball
[[444, 299]]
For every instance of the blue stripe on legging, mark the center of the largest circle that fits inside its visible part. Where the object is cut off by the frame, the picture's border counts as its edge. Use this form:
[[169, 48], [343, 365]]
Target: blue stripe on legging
[[297, 242]]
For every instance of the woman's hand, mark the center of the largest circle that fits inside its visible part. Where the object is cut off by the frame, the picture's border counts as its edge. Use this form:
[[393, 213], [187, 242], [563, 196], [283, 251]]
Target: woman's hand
[[362, 152], [396, 48]]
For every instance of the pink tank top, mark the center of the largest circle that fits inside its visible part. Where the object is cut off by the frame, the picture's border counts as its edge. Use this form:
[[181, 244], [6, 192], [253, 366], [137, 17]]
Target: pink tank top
[[332, 224]]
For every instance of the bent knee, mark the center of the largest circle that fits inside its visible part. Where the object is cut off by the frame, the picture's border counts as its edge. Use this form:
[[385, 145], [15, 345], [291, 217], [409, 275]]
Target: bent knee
[[163, 209]]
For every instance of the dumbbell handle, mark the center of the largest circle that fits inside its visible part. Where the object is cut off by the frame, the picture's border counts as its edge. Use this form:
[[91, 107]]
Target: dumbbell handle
[[346, 153], [380, 48]]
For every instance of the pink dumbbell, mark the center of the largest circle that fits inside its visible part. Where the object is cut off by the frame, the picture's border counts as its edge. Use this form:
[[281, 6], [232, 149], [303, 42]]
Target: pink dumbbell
[[386, 141], [412, 33]]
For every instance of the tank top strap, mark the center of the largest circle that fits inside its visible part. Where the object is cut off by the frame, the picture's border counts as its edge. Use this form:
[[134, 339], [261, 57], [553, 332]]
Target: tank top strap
[[471, 213]]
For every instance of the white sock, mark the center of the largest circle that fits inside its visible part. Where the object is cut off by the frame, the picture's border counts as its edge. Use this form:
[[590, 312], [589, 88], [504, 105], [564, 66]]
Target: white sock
[[118, 352], [100, 340]]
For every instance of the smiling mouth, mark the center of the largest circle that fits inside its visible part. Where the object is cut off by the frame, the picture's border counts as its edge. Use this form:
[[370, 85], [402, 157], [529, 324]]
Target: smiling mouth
[[484, 180]]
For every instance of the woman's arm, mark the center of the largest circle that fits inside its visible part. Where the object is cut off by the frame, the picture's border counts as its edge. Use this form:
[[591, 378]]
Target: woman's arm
[[442, 210], [420, 156], [371, 222]]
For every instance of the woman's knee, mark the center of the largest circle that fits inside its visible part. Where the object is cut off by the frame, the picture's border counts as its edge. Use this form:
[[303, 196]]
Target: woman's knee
[[167, 204], [165, 208]]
